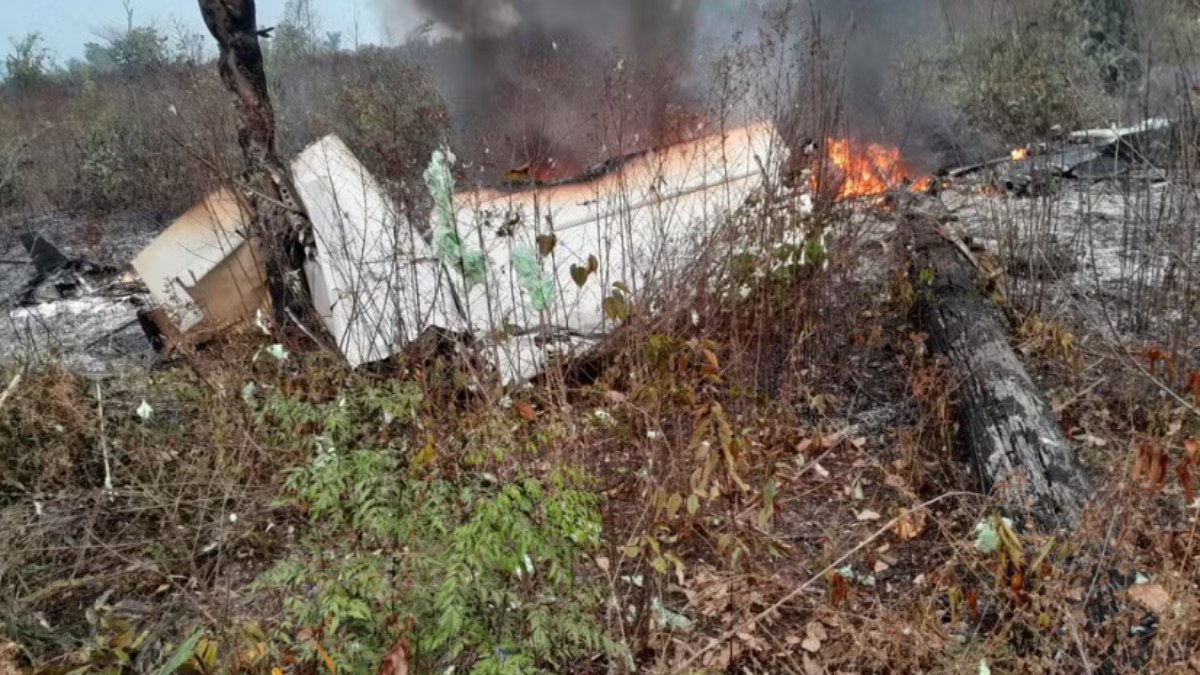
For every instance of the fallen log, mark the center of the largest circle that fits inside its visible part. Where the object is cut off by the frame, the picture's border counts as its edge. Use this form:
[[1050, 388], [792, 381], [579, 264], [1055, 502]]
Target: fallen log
[[1005, 426]]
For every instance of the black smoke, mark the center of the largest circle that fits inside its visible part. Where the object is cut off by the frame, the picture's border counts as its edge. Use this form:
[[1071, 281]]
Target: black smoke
[[581, 80], [571, 81]]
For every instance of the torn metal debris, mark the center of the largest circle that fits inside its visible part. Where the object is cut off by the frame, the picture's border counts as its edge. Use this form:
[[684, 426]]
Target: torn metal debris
[[1092, 154], [203, 273], [528, 274], [375, 282], [546, 271], [46, 257]]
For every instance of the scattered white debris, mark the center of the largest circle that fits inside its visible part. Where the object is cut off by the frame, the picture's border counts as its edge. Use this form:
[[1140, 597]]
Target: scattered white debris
[[987, 539], [1107, 135], [849, 574], [669, 619], [260, 321], [868, 516], [144, 411], [76, 307]]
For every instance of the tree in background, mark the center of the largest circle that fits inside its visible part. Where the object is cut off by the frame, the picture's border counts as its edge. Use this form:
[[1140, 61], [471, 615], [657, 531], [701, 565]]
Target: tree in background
[[136, 48], [29, 63], [298, 34], [1112, 40]]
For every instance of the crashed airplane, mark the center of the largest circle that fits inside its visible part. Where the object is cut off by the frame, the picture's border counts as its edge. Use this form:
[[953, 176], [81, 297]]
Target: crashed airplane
[[529, 273], [203, 273]]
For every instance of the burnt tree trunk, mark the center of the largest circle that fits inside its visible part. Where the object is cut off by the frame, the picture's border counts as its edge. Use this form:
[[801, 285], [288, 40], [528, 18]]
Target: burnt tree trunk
[[280, 220], [1006, 427]]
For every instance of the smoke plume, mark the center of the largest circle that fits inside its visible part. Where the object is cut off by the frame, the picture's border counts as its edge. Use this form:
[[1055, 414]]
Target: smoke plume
[[533, 80], [570, 82]]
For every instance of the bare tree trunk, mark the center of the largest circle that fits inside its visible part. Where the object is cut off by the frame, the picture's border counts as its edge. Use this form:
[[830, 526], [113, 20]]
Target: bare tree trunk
[[281, 221], [1006, 427]]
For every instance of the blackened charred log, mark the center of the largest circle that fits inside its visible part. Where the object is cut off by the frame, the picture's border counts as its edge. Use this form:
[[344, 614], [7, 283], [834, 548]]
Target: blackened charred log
[[1006, 427], [281, 221]]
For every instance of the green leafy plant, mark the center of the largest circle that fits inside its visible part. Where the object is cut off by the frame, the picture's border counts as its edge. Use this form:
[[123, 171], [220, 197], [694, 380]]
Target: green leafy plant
[[478, 573]]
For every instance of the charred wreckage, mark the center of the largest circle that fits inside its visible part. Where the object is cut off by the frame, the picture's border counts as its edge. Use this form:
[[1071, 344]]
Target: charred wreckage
[[533, 270]]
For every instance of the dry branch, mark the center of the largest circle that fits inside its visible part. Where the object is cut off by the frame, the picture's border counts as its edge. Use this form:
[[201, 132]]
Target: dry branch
[[1006, 427]]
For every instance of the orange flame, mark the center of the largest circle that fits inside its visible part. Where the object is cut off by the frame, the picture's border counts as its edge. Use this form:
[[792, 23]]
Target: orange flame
[[1019, 154], [870, 171]]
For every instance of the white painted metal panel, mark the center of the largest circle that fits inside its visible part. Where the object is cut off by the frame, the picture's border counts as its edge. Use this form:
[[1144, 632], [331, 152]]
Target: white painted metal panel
[[375, 282]]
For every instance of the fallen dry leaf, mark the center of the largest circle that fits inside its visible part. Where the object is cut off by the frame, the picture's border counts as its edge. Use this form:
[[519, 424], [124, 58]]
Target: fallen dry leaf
[[868, 515], [525, 410], [821, 471], [325, 657], [816, 631], [8, 662], [811, 667], [603, 563], [1150, 596], [396, 661], [910, 524], [811, 645], [752, 641]]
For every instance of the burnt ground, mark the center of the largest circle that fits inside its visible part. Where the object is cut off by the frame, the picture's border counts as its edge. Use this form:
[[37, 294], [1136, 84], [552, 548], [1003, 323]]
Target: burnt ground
[[93, 329]]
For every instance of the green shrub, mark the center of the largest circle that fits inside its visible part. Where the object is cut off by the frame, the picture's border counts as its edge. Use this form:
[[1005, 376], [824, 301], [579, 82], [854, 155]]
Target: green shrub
[[479, 572], [103, 178], [29, 63], [1039, 67]]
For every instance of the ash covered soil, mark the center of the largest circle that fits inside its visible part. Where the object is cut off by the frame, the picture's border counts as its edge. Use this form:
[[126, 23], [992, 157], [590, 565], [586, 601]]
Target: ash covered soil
[[1092, 253], [91, 327]]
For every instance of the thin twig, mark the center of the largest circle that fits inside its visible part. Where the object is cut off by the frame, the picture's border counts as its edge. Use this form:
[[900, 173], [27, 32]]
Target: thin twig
[[732, 632], [12, 387], [108, 481], [1087, 665]]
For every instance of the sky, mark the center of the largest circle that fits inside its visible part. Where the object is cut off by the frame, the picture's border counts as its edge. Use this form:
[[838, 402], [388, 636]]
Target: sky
[[66, 25]]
